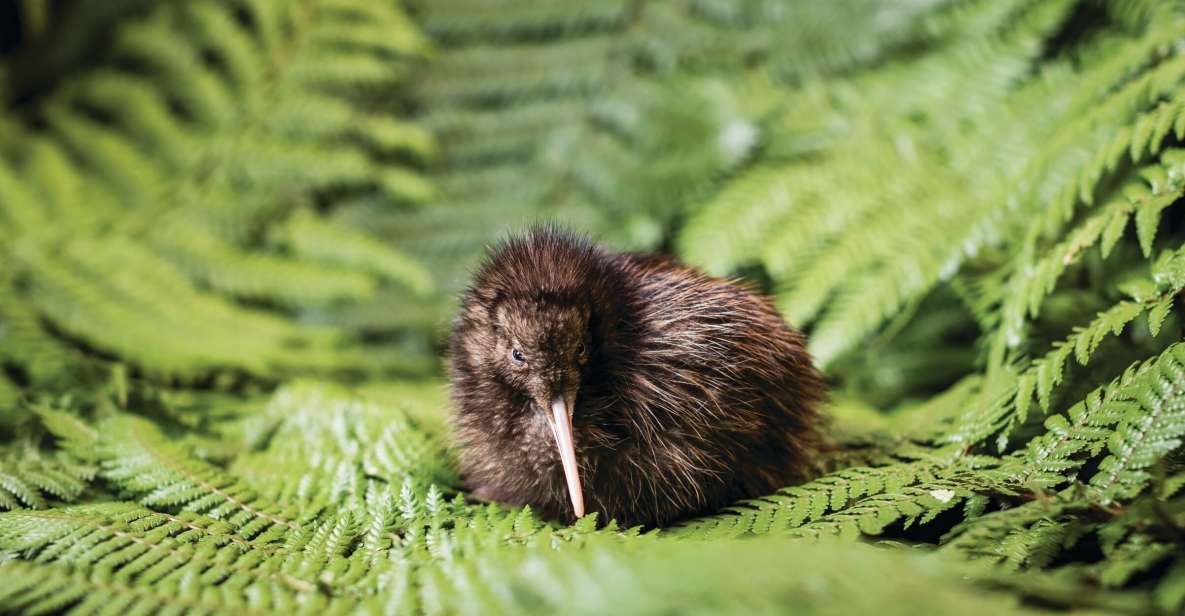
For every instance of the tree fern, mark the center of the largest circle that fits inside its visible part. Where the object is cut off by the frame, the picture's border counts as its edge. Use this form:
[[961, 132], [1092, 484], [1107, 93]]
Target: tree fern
[[142, 464], [209, 151], [228, 240], [30, 478], [1143, 438]]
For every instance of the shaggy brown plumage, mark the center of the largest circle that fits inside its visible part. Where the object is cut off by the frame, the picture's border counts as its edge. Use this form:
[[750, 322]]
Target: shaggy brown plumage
[[682, 392]]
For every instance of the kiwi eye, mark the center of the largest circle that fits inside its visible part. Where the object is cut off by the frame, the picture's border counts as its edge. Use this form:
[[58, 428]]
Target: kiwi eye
[[581, 348], [517, 357]]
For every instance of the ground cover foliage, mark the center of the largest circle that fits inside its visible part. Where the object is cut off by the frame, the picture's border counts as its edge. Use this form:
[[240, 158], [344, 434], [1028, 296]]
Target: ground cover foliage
[[230, 232]]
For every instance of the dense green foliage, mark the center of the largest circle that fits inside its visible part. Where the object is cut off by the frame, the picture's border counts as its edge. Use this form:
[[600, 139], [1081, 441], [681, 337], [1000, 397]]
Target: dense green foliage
[[230, 231]]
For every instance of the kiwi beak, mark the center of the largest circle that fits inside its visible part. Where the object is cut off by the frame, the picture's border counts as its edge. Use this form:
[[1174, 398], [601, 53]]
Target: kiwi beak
[[560, 419]]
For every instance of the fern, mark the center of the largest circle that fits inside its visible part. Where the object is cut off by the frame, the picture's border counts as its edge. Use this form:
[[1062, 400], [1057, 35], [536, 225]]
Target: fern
[[138, 460], [1145, 203], [212, 151], [794, 507], [30, 478], [1142, 438], [230, 232], [1151, 299]]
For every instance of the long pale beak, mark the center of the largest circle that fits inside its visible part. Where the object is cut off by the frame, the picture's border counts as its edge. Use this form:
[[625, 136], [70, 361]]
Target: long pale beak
[[561, 428]]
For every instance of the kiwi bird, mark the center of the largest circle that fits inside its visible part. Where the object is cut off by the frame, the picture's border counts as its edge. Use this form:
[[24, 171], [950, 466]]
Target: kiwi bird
[[624, 384]]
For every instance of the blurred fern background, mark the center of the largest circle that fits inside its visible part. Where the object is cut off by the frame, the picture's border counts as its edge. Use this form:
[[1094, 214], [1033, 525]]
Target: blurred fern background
[[231, 232]]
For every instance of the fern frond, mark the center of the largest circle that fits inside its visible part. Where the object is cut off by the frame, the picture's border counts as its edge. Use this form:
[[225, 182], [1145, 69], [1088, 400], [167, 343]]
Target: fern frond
[[1132, 418], [143, 464], [985, 536], [76, 291], [608, 576], [503, 73], [313, 238], [197, 116], [320, 431], [24, 342], [455, 21], [34, 588], [30, 478], [755, 204], [262, 276], [1152, 427], [851, 500], [1144, 199]]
